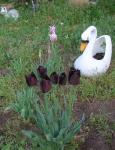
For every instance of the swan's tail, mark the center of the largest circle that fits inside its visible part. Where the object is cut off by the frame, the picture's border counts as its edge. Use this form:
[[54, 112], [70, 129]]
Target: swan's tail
[[108, 50]]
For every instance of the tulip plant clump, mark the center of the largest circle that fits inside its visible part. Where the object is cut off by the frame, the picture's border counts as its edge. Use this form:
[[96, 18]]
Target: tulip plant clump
[[51, 112], [44, 80], [56, 124]]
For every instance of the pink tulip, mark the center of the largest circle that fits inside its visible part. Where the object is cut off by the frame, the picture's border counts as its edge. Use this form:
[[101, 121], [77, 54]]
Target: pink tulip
[[52, 29], [53, 37]]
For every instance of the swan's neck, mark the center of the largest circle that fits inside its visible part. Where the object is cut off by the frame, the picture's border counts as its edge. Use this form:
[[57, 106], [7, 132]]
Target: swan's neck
[[89, 48]]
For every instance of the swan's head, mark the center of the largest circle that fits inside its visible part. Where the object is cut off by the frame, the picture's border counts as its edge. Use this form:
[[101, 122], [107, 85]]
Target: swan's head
[[87, 36], [3, 10]]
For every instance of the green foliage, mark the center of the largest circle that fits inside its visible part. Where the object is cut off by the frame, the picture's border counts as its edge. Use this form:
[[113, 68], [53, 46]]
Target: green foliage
[[25, 101], [108, 6], [55, 61], [38, 142], [56, 122], [100, 122], [21, 41], [6, 87], [113, 126], [52, 115], [102, 125], [99, 88], [14, 146]]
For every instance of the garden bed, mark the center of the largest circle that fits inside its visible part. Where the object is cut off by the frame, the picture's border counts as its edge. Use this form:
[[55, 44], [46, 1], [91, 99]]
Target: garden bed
[[92, 136], [26, 44]]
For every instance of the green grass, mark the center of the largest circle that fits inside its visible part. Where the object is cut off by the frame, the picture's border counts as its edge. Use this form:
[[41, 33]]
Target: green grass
[[101, 124], [22, 41]]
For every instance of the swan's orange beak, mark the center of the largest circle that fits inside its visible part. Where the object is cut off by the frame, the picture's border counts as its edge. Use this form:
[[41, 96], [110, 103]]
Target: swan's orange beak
[[83, 45]]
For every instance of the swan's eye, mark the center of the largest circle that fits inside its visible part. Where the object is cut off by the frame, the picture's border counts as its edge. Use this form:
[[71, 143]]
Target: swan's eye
[[83, 45]]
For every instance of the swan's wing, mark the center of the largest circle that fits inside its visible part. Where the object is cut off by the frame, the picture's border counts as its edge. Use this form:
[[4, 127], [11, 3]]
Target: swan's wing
[[100, 45]]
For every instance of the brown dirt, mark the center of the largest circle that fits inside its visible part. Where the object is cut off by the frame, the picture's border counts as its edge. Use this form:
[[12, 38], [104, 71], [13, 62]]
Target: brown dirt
[[4, 117], [94, 140], [98, 141], [14, 121], [113, 142], [96, 107], [3, 72]]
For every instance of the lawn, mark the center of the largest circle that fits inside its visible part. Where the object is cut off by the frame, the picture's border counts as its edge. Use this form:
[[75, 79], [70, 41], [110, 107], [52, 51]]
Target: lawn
[[24, 45]]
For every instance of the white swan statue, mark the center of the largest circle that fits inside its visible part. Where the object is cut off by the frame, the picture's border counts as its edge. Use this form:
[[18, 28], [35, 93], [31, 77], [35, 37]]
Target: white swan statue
[[86, 63], [12, 13]]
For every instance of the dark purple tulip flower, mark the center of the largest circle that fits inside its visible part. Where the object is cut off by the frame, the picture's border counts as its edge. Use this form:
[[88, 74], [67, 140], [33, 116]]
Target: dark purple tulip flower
[[74, 76], [45, 85], [71, 72], [31, 79], [42, 71], [62, 78], [54, 77], [45, 76]]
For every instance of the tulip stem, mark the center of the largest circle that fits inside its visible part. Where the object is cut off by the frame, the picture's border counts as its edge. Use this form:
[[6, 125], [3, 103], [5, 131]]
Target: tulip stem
[[49, 50]]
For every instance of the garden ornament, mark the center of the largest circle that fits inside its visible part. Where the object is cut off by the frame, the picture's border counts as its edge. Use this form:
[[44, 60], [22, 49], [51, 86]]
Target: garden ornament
[[12, 13], [87, 63]]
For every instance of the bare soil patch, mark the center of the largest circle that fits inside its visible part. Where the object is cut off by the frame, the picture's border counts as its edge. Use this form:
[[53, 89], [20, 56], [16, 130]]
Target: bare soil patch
[[96, 107], [3, 71], [95, 140], [4, 117]]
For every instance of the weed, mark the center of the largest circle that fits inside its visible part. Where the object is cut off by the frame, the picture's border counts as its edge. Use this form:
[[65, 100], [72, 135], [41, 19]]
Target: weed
[[100, 122]]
